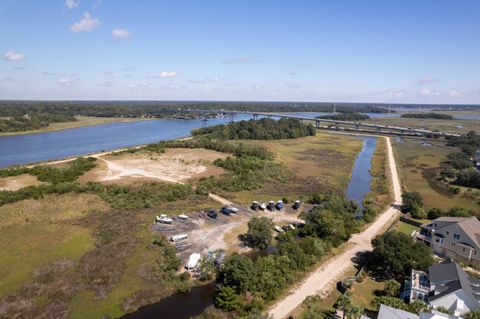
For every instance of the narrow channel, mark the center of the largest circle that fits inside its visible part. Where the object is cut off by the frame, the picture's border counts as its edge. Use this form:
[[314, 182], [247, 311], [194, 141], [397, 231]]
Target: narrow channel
[[360, 181]]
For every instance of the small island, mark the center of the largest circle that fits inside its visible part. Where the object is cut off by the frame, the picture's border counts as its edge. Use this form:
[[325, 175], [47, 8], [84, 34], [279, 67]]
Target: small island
[[436, 116]]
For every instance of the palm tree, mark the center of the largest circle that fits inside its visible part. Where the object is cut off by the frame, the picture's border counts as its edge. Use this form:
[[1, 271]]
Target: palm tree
[[345, 301], [474, 314]]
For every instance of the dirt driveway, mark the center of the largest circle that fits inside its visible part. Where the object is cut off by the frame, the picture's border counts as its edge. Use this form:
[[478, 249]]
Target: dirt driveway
[[325, 276]]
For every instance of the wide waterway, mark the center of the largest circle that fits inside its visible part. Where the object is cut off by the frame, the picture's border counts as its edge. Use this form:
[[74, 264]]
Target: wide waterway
[[23, 149]]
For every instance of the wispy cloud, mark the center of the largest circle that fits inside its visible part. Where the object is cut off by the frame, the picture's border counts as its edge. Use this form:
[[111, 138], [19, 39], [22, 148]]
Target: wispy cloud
[[428, 92], [206, 79], [67, 82], [105, 84], [86, 24], [121, 33], [455, 93], [302, 64], [71, 4], [14, 56], [426, 80], [165, 75], [242, 60]]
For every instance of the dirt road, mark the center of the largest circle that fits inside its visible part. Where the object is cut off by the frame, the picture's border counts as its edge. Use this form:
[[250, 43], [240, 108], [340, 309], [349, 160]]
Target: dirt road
[[330, 272]]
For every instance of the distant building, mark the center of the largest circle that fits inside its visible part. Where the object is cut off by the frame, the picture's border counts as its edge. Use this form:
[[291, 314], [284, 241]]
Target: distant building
[[445, 285], [455, 237]]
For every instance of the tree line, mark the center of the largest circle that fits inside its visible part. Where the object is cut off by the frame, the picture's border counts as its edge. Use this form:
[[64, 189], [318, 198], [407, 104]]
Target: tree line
[[431, 115], [346, 117], [18, 123], [263, 129]]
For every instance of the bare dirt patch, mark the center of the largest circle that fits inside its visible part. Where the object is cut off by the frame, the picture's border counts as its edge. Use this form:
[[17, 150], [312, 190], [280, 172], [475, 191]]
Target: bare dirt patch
[[174, 166], [14, 183]]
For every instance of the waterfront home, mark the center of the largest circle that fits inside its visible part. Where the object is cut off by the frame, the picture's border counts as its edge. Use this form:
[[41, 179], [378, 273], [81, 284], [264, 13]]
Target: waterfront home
[[455, 237], [444, 285], [387, 312]]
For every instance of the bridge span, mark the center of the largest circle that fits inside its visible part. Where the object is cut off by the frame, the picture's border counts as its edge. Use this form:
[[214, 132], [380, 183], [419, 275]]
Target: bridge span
[[344, 125]]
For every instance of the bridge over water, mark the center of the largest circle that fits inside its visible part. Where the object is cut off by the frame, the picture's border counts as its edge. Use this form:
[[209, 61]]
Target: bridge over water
[[344, 125]]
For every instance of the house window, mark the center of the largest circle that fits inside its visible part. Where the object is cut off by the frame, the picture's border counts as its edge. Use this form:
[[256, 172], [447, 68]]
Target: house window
[[456, 236], [453, 244], [434, 225], [448, 233], [439, 241], [463, 249], [475, 252]]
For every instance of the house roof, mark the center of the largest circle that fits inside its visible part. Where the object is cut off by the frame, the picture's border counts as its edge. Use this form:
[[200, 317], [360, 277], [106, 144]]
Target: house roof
[[449, 278], [387, 312], [469, 225]]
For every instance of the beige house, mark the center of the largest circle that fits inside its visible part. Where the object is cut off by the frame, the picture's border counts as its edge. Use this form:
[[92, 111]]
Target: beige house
[[454, 237]]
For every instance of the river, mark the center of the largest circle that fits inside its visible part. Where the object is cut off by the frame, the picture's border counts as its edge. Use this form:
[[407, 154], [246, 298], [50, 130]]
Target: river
[[30, 148]]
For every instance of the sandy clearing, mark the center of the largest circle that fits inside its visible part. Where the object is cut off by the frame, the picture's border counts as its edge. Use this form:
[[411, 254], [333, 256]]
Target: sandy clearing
[[326, 275], [14, 183], [174, 166]]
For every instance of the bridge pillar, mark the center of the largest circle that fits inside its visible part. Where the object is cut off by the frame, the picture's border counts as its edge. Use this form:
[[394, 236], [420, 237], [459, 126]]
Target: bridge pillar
[[402, 132], [317, 124], [336, 126], [255, 116], [357, 126], [378, 130]]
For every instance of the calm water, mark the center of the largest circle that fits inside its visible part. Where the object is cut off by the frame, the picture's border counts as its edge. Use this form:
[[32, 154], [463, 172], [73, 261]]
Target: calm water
[[178, 306], [31, 148], [359, 184]]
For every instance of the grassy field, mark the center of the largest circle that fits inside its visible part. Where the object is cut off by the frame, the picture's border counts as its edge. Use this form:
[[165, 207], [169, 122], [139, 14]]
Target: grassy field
[[37, 232], [363, 293], [405, 228], [381, 194], [452, 126], [81, 121], [418, 166], [320, 164]]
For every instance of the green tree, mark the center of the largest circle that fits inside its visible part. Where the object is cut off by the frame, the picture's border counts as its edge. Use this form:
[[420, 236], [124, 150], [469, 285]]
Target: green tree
[[397, 253], [344, 302], [238, 272], [411, 201], [227, 299], [392, 288], [260, 232], [474, 314]]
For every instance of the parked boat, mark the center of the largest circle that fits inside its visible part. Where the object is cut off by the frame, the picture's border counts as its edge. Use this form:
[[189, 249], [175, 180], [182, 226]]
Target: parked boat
[[255, 205], [263, 206], [279, 229], [163, 219], [193, 260], [212, 214], [183, 216], [178, 238]]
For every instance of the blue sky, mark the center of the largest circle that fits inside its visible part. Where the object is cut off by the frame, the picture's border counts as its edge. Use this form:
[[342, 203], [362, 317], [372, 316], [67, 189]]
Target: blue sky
[[407, 51]]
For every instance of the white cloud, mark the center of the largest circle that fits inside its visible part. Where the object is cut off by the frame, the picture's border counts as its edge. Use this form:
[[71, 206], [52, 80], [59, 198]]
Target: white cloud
[[86, 24], [14, 56], [427, 80], [206, 79], [168, 74], [428, 92], [121, 33], [66, 82], [242, 59], [455, 93], [301, 64], [71, 4]]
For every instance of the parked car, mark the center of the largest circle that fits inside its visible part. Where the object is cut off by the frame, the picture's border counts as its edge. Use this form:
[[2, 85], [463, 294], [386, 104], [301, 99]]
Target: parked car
[[212, 214], [296, 205], [279, 205], [232, 209], [225, 211]]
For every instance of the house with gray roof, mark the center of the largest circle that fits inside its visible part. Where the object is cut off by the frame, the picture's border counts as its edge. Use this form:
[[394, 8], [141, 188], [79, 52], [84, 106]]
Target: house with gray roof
[[387, 312], [457, 238], [445, 285]]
